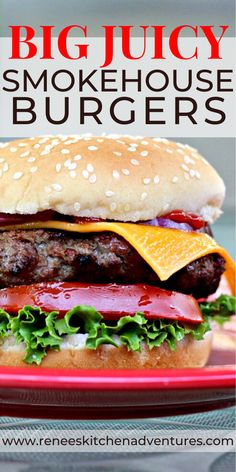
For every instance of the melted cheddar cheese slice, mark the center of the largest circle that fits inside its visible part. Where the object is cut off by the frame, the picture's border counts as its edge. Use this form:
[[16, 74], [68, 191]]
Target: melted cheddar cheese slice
[[165, 250]]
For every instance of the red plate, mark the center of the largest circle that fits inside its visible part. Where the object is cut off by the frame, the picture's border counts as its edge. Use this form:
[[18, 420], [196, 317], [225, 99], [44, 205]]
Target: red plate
[[73, 394]]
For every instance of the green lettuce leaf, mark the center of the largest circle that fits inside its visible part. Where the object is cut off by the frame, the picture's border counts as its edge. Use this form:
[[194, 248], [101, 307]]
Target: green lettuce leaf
[[4, 321], [36, 329], [132, 330], [220, 309], [81, 318], [41, 331]]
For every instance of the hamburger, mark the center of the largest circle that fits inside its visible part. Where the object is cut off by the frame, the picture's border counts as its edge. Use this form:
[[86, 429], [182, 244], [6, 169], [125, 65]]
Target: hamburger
[[107, 258]]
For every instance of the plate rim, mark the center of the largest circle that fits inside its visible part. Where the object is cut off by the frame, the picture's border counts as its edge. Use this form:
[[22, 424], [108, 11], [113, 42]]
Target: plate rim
[[155, 379]]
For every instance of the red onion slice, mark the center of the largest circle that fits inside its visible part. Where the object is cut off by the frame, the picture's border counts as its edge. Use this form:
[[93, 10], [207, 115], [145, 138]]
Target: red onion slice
[[166, 223]]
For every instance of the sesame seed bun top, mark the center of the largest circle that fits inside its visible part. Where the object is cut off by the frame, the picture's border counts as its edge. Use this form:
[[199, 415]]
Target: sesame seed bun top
[[121, 178]]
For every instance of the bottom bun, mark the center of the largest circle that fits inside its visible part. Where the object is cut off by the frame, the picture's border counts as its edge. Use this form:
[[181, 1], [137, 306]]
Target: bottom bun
[[188, 353]]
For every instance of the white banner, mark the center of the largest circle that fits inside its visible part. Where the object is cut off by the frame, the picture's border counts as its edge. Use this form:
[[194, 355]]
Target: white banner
[[152, 97], [116, 440]]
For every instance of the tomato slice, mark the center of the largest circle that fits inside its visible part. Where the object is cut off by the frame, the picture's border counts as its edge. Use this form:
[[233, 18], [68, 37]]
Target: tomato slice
[[181, 216], [7, 219], [111, 300]]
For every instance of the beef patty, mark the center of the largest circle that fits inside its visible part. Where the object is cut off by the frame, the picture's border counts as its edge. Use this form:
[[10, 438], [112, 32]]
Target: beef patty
[[32, 256]]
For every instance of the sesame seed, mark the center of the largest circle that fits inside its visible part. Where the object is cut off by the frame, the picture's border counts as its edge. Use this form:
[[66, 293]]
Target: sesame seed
[[77, 157], [77, 206], [44, 140], [146, 181], [175, 179], [92, 178], [31, 159], [186, 176], [144, 195], [190, 148], [17, 175], [73, 174], [5, 167], [90, 168], [72, 166], [169, 151], [109, 193], [131, 149], [188, 160], [65, 151], [2, 160], [85, 174], [57, 187], [180, 151], [100, 140], [185, 167], [67, 163], [144, 143], [125, 171], [144, 153], [134, 162], [13, 149], [33, 169], [134, 144], [36, 146], [92, 148], [70, 141], [156, 179], [22, 144], [58, 167], [115, 174], [192, 172], [44, 153], [24, 154], [198, 175], [117, 153], [158, 140], [113, 206]]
